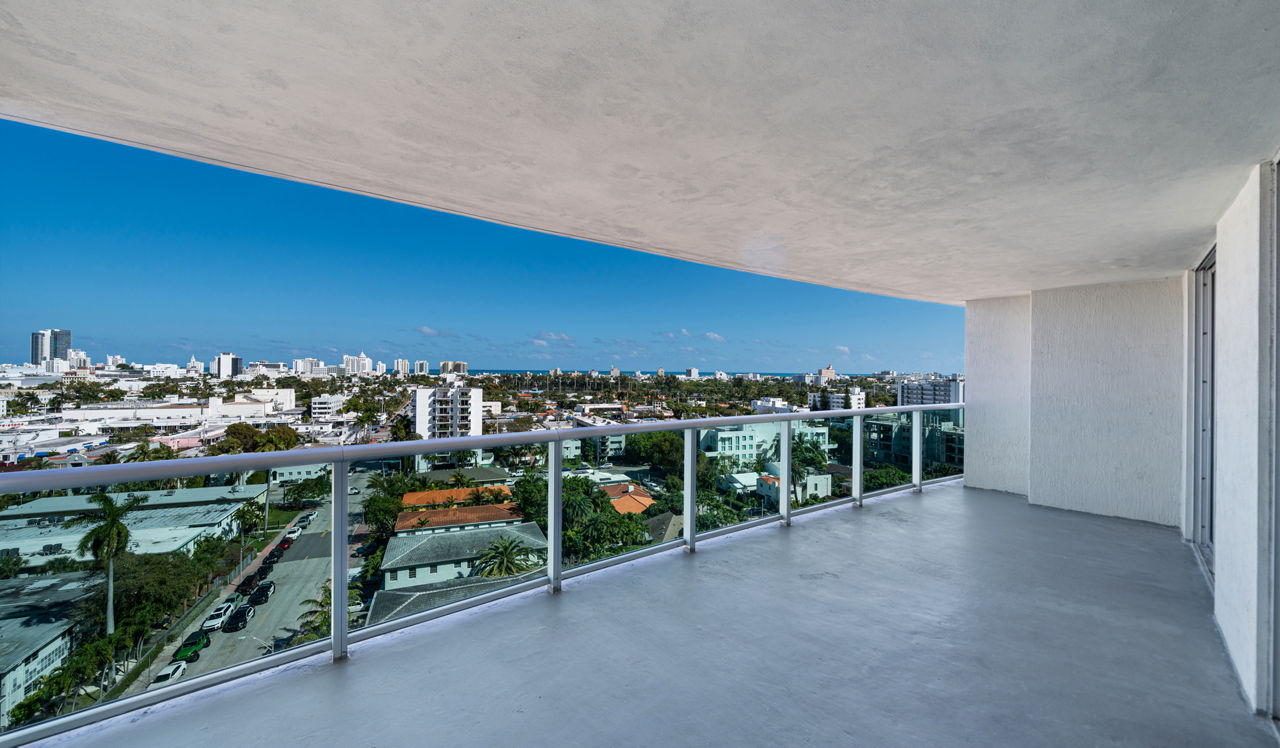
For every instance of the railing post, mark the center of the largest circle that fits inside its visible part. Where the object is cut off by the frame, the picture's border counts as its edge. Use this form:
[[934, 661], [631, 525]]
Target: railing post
[[917, 450], [690, 489], [338, 598], [856, 462], [784, 480], [555, 512]]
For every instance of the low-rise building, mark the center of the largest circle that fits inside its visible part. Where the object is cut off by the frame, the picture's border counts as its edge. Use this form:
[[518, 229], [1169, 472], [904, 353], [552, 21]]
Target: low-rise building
[[441, 553], [36, 630]]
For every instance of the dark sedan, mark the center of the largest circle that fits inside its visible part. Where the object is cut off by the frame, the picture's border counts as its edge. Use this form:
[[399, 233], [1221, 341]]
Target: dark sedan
[[239, 619], [263, 593]]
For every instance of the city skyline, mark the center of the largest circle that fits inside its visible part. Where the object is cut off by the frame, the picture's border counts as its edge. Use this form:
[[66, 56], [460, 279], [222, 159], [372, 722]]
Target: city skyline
[[157, 258]]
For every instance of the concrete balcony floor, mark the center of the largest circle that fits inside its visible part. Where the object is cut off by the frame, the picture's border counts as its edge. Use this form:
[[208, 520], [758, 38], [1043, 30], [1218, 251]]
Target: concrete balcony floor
[[956, 616]]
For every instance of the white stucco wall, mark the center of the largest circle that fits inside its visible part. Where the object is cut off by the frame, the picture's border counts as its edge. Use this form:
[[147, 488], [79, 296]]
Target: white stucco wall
[[1242, 401], [1107, 394], [997, 364]]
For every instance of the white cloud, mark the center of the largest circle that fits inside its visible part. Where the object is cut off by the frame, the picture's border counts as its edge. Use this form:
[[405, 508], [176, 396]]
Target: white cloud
[[667, 334], [684, 332], [843, 349], [431, 332], [545, 335], [717, 338], [869, 357], [540, 341]]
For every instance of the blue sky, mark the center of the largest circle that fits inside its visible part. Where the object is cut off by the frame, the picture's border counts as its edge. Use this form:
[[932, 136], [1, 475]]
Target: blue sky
[[156, 258]]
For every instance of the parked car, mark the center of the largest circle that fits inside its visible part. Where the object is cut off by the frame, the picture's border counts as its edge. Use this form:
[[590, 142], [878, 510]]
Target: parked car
[[218, 617], [234, 599], [366, 549], [286, 542], [264, 572], [352, 491], [168, 673], [240, 618], [292, 533], [248, 584], [263, 593], [189, 649]]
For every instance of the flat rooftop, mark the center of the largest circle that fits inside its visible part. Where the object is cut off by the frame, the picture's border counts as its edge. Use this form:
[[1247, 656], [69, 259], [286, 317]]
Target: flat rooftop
[[955, 616]]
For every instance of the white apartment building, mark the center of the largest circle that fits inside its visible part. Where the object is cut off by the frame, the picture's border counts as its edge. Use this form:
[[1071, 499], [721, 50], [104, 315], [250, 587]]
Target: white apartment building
[[380, 368], [453, 367], [78, 359], [194, 368], [114, 361], [691, 372], [401, 366], [931, 391], [306, 365], [853, 398], [771, 405], [357, 365], [442, 412], [327, 407], [226, 365], [421, 367], [749, 442]]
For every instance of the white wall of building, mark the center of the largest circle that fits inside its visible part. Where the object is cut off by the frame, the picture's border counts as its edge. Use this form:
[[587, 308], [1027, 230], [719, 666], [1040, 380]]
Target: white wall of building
[[1106, 399], [1242, 394], [997, 365]]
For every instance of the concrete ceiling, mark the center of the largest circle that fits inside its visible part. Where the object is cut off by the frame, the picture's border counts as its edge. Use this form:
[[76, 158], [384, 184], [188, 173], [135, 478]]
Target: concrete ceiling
[[935, 150]]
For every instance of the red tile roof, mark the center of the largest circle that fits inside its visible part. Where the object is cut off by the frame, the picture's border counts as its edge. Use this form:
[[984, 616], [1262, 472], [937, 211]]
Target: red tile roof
[[463, 515], [633, 501], [449, 495]]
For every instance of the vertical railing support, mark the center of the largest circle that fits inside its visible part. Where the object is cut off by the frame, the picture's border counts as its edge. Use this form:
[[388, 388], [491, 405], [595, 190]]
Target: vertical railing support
[[855, 464], [555, 512], [784, 480], [917, 450], [690, 489], [338, 596]]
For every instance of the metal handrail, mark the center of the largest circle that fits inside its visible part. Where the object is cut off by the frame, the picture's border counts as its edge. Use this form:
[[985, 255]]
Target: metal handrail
[[342, 457], [94, 475]]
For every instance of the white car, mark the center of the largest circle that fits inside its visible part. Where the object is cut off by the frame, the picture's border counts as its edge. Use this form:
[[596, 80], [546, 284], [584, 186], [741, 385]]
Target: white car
[[218, 617], [170, 673], [293, 532], [352, 491]]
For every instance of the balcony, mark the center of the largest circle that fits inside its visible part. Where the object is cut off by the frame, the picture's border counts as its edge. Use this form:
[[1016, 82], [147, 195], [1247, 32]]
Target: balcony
[[952, 616], [934, 614]]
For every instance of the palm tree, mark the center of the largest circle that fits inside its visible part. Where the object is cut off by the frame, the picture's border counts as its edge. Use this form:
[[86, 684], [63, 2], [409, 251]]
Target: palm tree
[[110, 458], [140, 453], [107, 538], [506, 557]]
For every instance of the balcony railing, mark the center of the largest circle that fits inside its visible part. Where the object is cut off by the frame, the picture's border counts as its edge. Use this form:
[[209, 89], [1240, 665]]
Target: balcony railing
[[502, 544]]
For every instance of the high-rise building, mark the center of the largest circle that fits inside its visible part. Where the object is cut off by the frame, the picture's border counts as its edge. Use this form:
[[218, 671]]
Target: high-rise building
[[662, 372], [613, 372], [357, 365], [114, 361], [829, 372], [194, 368], [691, 373], [380, 368], [226, 365], [453, 367], [421, 367], [932, 391], [442, 412], [307, 366], [78, 359], [400, 366], [47, 344]]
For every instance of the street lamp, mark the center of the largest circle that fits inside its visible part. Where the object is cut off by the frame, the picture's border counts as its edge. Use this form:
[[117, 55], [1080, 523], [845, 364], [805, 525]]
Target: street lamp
[[271, 648]]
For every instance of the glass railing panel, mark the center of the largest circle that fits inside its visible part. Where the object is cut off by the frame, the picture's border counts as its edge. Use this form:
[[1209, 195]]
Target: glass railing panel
[[621, 494], [886, 451], [111, 590], [821, 453], [431, 530], [738, 474], [943, 446]]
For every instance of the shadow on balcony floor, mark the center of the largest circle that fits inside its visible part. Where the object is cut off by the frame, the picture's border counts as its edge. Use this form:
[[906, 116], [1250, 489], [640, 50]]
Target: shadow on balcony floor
[[956, 616]]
